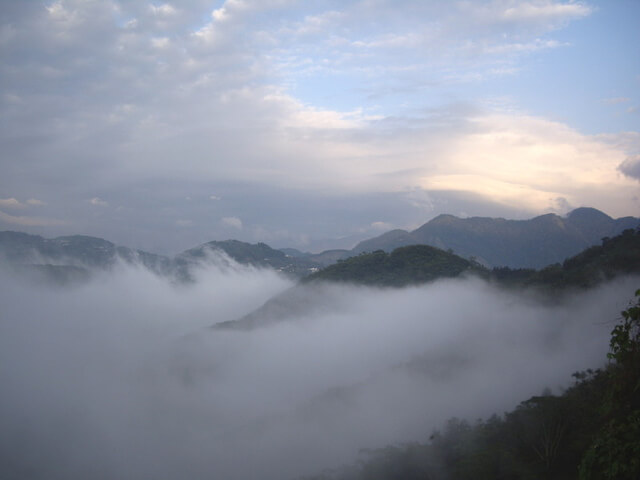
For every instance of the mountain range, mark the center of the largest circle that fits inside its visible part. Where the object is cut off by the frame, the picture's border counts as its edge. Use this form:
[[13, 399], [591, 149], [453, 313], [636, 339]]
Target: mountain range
[[321, 292], [491, 242], [533, 243]]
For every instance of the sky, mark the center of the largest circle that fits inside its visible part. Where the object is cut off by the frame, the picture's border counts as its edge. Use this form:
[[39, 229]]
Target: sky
[[312, 124]]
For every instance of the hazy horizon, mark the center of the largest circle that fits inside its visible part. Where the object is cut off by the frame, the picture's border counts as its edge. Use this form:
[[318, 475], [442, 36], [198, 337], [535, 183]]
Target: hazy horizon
[[320, 245]]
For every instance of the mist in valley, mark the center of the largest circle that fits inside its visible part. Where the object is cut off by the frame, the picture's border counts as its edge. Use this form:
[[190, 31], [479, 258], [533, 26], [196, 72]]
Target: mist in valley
[[121, 377]]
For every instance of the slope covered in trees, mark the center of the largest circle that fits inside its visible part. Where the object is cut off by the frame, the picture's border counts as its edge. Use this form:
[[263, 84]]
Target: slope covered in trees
[[404, 266], [420, 263], [616, 256]]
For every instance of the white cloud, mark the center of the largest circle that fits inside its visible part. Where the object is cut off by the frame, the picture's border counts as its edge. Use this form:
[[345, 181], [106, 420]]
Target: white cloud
[[315, 24], [392, 40], [160, 42], [544, 10], [163, 10], [59, 12], [541, 14], [234, 10], [226, 10], [616, 100], [234, 222], [98, 202], [290, 95], [516, 48], [531, 161], [383, 226], [15, 203], [10, 203]]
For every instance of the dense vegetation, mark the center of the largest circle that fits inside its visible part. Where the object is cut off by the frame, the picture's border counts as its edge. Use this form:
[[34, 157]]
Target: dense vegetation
[[421, 263], [403, 266], [619, 255], [590, 432]]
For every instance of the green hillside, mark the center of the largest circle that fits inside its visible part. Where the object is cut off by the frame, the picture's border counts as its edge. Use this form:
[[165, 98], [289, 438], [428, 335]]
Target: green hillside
[[416, 264], [406, 265], [616, 256]]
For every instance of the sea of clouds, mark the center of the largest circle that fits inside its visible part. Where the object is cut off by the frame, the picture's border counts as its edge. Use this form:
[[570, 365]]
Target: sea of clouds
[[122, 378]]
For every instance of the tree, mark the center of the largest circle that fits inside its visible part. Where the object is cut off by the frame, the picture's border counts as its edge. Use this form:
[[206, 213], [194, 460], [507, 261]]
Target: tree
[[615, 453]]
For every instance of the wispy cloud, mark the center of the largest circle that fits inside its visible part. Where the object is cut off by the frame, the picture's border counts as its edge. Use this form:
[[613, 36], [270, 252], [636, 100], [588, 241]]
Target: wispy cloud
[[15, 203], [184, 223], [30, 221], [545, 11], [615, 100], [98, 202], [234, 222], [10, 203]]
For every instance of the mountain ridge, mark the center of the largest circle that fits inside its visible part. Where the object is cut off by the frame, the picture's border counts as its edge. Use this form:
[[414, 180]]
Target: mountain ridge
[[419, 264], [531, 243], [68, 258]]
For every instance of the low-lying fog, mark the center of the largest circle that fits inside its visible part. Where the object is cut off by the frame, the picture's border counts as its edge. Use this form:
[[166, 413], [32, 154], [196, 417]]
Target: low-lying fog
[[119, 378]]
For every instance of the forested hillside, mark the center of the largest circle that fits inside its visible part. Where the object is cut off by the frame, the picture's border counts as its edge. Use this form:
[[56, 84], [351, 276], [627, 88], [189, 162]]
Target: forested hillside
[[416, 264], [616, 256], [404, 266]]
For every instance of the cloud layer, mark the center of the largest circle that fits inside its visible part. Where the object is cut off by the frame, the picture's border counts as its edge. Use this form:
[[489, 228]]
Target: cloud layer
[[120, 378], [135, 106]]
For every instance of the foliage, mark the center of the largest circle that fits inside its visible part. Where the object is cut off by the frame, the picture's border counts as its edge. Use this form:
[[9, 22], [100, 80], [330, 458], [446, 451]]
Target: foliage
[[615, 452], [404, 266], [421, 263], [616, 256]]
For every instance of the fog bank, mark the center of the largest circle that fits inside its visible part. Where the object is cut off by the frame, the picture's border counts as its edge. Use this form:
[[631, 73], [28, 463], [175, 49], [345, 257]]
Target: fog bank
[[119, 378]]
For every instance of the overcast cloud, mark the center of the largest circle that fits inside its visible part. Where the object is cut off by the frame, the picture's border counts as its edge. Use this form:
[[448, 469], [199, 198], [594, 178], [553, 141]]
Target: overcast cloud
[[163, 125]]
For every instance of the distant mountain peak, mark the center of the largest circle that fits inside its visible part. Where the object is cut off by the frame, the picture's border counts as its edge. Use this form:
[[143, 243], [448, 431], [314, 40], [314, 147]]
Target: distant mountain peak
[[529, 243], [444, 218], [587, 213]]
